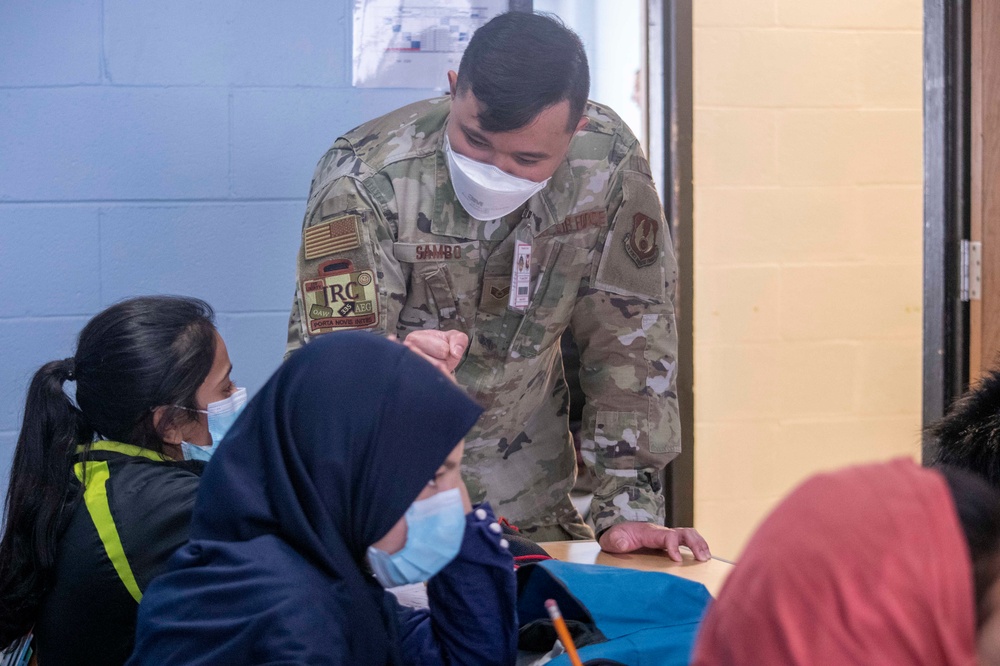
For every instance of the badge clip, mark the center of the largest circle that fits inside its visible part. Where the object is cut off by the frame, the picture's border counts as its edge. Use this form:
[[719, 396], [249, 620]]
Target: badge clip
[[520, 277]]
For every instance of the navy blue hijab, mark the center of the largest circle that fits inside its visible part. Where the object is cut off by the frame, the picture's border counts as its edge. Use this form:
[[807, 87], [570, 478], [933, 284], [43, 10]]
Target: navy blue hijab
[[321, 464]]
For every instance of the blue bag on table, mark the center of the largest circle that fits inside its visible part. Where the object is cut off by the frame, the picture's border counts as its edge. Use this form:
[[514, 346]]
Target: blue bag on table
[[637, 618]]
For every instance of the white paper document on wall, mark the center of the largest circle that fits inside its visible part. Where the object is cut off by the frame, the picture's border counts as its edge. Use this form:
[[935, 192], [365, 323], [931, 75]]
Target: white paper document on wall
[[413, 43]]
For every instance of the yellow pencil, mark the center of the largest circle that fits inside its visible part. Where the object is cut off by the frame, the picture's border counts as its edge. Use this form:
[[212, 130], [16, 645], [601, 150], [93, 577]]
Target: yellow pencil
[[563, 631]]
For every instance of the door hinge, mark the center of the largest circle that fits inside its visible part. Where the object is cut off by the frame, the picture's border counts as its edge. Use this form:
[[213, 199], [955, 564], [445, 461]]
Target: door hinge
[[972, 271]]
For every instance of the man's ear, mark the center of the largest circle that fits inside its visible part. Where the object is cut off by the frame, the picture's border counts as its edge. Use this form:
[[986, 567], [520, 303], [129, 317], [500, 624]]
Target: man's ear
[[169, 434], [583, 123], [453, 82]]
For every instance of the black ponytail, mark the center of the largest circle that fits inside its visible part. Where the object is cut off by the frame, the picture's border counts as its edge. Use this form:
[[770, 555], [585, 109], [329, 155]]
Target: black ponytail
[[52, 428], [133, 357]]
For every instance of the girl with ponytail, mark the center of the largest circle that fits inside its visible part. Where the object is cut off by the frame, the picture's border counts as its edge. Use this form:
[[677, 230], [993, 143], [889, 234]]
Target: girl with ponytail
[[101, 491]]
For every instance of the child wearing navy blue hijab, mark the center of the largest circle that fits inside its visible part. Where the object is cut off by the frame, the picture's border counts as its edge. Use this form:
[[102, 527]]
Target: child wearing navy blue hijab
[[310, 489]]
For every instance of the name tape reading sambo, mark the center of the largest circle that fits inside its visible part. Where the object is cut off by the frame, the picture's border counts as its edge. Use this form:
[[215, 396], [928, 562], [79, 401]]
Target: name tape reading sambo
[[416, 252]]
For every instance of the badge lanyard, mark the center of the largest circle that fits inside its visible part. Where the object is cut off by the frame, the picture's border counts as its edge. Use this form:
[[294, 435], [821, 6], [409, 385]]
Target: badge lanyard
[[520, 274]]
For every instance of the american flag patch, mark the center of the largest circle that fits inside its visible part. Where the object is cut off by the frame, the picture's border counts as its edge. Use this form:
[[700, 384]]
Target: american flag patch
[[339, 235]]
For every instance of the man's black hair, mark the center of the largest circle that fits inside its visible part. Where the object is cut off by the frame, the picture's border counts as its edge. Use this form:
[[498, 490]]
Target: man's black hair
[[969, 435], [519, 64]]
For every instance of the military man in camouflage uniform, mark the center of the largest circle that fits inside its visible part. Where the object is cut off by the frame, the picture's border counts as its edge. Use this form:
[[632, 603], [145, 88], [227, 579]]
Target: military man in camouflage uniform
[[389, 247]]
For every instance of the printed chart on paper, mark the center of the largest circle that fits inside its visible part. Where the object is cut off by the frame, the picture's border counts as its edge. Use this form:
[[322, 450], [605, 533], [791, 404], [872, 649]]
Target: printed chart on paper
[[412, 44]]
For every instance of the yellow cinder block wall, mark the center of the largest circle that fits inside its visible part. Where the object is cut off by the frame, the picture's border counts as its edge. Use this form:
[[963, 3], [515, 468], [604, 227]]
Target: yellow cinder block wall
[[807, 248]]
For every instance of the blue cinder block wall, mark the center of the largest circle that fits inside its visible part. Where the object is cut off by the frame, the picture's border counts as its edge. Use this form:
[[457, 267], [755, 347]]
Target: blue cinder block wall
[[162, 147]]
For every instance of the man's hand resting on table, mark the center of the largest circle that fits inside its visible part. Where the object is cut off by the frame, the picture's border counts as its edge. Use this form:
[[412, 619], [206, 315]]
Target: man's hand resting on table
[[444, 349], [626, 537]]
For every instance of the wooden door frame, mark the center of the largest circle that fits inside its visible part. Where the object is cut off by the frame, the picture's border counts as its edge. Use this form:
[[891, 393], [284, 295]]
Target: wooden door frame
[[947, 70], [984, 204]]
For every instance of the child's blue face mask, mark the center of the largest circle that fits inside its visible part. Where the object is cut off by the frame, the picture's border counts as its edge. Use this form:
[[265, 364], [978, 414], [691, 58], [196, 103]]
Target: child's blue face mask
[[434, 530], [221, 417]]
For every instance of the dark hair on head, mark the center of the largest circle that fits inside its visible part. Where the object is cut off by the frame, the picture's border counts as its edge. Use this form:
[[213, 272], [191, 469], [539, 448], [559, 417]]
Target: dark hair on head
[[135, 356], [978, 507], [519, 64], [968, 436]]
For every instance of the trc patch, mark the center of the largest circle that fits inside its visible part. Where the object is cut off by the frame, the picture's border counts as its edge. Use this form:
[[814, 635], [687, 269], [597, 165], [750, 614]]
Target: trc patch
[[640, 243], [340, 297], [338, 235]]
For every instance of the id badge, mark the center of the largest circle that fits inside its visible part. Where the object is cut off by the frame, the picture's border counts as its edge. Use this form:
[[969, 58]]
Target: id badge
[[520, 277]]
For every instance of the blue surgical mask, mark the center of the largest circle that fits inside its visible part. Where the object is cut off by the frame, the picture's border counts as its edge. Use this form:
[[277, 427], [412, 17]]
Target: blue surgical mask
[[434, 530], [221, 417]]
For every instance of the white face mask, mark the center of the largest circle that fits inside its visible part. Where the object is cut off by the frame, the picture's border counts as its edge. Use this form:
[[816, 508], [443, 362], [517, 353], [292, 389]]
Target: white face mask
[[486, 192]]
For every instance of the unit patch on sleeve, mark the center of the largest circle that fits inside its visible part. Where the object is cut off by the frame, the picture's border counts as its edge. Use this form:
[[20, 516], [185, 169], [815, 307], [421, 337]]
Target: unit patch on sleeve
[[640, 243], [340, 297], [327, 238], [638, 258]]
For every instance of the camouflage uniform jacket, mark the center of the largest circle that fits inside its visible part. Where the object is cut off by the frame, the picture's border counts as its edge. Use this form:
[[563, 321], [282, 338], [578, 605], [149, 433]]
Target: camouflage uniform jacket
[[387, 247]]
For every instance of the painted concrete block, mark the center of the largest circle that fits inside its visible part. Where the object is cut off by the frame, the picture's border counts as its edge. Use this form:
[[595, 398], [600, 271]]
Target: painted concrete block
[[892, 62], [846, 147], [851, 302], [736, 460], [738, 382], [789, 225], [735, 147], [256, 344], [737, 13], [809, 446], [771, 68], [818, 379], [889, 378], [113, 143], [238, 257], [257, 43], [49, 260], [741, 304], [893, 141], [57, 42], [891, 222], [865, 14], [28, 344], [280, 134], [727, 524]]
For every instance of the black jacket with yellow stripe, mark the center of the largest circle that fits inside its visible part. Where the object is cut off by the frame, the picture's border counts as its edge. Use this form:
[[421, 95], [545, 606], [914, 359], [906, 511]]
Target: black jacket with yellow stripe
[[134, 513]]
